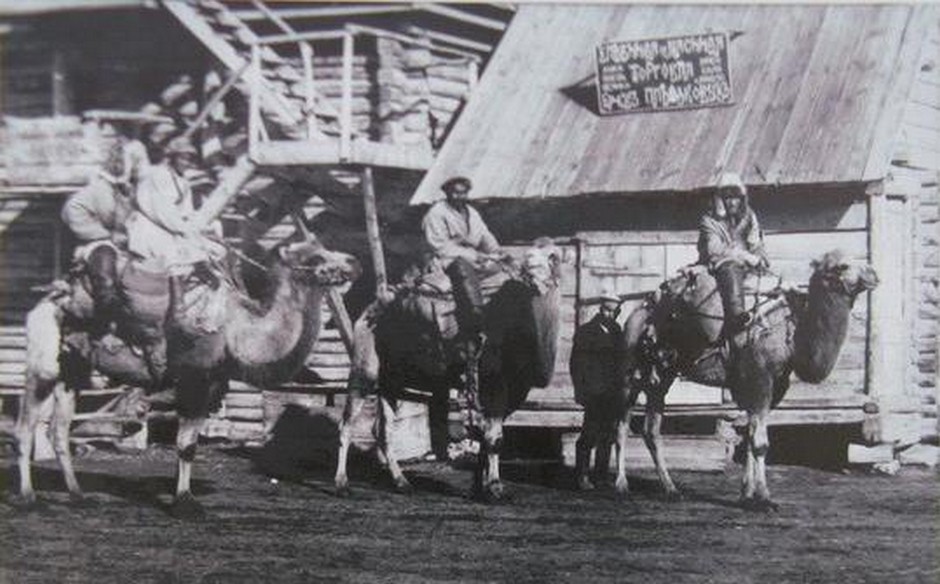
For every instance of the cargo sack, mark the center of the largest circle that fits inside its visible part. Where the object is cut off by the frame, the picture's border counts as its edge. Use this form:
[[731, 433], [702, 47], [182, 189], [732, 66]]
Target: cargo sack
[[147, 295]]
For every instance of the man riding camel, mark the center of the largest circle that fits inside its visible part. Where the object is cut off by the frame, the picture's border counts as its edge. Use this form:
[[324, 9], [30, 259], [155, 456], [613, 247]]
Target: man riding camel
[[154, 225], [731, 244], [464, 245]]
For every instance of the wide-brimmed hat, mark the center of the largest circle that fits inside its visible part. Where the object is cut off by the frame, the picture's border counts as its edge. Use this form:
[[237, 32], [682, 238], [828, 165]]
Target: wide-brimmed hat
[[180, 146], [731, 181], [453, 183]]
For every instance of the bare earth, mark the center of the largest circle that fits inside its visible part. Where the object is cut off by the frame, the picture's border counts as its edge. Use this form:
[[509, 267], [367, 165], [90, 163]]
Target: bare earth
[[831, 527]]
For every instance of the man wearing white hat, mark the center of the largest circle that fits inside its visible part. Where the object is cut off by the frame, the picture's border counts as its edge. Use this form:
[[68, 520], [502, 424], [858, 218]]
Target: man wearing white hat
[[731, 243], [594, 366]]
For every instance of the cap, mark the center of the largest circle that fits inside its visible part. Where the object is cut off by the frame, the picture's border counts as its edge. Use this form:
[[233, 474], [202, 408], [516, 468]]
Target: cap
[[608, 295], [456, 182], [731, 180]]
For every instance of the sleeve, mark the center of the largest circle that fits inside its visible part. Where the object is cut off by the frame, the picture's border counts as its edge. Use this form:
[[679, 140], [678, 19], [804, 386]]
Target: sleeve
[[437, 236], [755, 237], [158, 206], [712, 246], [82, 216], [488, 242], [576, 361]]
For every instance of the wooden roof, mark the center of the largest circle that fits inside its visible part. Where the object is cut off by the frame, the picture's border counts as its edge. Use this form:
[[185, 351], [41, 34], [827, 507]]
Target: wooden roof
[[818, 91]]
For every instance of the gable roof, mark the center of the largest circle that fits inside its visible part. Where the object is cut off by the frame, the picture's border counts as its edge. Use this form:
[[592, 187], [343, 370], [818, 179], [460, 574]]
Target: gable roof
[[818, 92]]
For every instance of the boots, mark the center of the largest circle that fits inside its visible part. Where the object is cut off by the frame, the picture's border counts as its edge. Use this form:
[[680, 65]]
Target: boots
[[468, 298], [102, 275], [730, 279]]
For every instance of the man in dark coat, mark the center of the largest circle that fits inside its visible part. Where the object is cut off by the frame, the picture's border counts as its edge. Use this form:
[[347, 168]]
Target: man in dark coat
[[595, 373]]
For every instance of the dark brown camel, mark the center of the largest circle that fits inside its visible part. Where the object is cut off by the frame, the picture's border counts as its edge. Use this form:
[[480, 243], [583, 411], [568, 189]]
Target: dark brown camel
[[800, 332], [398, 346], [262, 341]]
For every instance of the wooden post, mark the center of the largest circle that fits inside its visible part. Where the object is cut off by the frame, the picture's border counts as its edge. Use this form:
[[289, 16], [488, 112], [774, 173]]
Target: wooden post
[[254, 102], [345, 123], [214, 100], [343, 322], [232, 181], [306, 53], [372, 231]]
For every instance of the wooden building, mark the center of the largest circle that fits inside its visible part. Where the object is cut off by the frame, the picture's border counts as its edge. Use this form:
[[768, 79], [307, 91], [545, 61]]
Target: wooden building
[[834, 124]]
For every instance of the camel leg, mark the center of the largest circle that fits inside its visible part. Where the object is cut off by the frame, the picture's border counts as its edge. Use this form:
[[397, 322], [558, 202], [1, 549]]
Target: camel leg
[[34, 401], [621, 485], [652, 436], [754, 491], [352, 409], [64, 413], [185, 505], [438, 410], [493, 443], [385, 441]]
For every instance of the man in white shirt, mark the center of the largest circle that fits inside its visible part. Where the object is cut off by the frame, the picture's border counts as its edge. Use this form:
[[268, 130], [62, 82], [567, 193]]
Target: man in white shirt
[[463, 244]]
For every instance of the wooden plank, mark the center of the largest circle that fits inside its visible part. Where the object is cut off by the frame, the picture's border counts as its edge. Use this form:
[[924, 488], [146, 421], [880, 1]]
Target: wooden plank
[[681, 453], [282, 152]]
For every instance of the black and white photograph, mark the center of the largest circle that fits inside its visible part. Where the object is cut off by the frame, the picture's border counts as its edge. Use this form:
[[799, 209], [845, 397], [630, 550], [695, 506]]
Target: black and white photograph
[[297, 291]]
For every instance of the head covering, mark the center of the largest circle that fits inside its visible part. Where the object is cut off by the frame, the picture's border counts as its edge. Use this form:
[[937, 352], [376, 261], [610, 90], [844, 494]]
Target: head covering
[[608, 295], [180, 146], [729, 184], [732, 181], [456, 182]]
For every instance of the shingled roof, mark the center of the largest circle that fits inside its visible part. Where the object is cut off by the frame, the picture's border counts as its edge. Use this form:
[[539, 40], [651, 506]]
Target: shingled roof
[[818, 92]]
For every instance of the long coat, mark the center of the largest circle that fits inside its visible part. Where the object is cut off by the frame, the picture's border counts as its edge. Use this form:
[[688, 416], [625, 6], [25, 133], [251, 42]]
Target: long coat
[[594, 359]]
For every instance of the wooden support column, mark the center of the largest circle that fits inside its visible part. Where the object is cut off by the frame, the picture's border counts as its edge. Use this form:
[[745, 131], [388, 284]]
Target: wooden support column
[[888, 332], [254, 102], [343, 322], [372, 231], [232, 181], [345, 120]]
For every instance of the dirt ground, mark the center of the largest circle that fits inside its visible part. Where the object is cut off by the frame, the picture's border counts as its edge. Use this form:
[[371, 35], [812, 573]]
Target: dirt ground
[[831, 527]]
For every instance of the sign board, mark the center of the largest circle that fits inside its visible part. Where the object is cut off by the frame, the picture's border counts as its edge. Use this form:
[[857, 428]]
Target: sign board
[[663, 74]]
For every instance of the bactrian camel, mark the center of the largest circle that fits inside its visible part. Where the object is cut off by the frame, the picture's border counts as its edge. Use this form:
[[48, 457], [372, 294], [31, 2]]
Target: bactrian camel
[[263, 341], [400, 345], [801, 332]]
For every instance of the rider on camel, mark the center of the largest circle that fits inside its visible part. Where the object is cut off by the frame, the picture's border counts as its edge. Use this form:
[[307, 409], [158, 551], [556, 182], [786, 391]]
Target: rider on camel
[[731, 244], [464, 245]]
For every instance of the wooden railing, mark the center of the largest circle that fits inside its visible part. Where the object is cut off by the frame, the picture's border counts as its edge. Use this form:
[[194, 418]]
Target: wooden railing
[[314, 104]]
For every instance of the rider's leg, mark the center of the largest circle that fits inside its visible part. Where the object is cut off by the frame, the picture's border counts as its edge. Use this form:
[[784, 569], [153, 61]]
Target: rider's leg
[[102, 274], [730, 279], [467, 296]]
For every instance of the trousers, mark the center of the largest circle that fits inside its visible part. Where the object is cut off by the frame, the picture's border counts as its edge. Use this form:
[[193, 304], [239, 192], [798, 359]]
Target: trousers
[[730, 279]]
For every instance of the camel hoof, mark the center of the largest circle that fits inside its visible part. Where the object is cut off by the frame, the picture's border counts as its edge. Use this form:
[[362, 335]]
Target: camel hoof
[[759, 505], [403, 487], [622, 488], [27, 503], [495, 492], [342, 489], [673, 496], [80, 500], [585, 484], [187, 508]]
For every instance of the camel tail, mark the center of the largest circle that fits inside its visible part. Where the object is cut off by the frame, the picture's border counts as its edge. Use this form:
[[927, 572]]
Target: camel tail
[[43, 337]]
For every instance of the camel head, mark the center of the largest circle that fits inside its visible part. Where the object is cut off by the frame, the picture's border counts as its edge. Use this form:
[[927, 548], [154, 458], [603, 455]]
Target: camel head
[[541, 265], [833, 274], [311, 264]]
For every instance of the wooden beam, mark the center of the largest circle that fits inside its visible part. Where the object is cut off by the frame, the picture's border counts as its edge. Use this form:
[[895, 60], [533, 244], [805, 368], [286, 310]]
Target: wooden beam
[[232, 182], [345, 120], [327, 152], [215, 99], [453, 13], [343, 322], [372, 231], [323, 12], [418, 40], [455, 41], [298, 37]]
